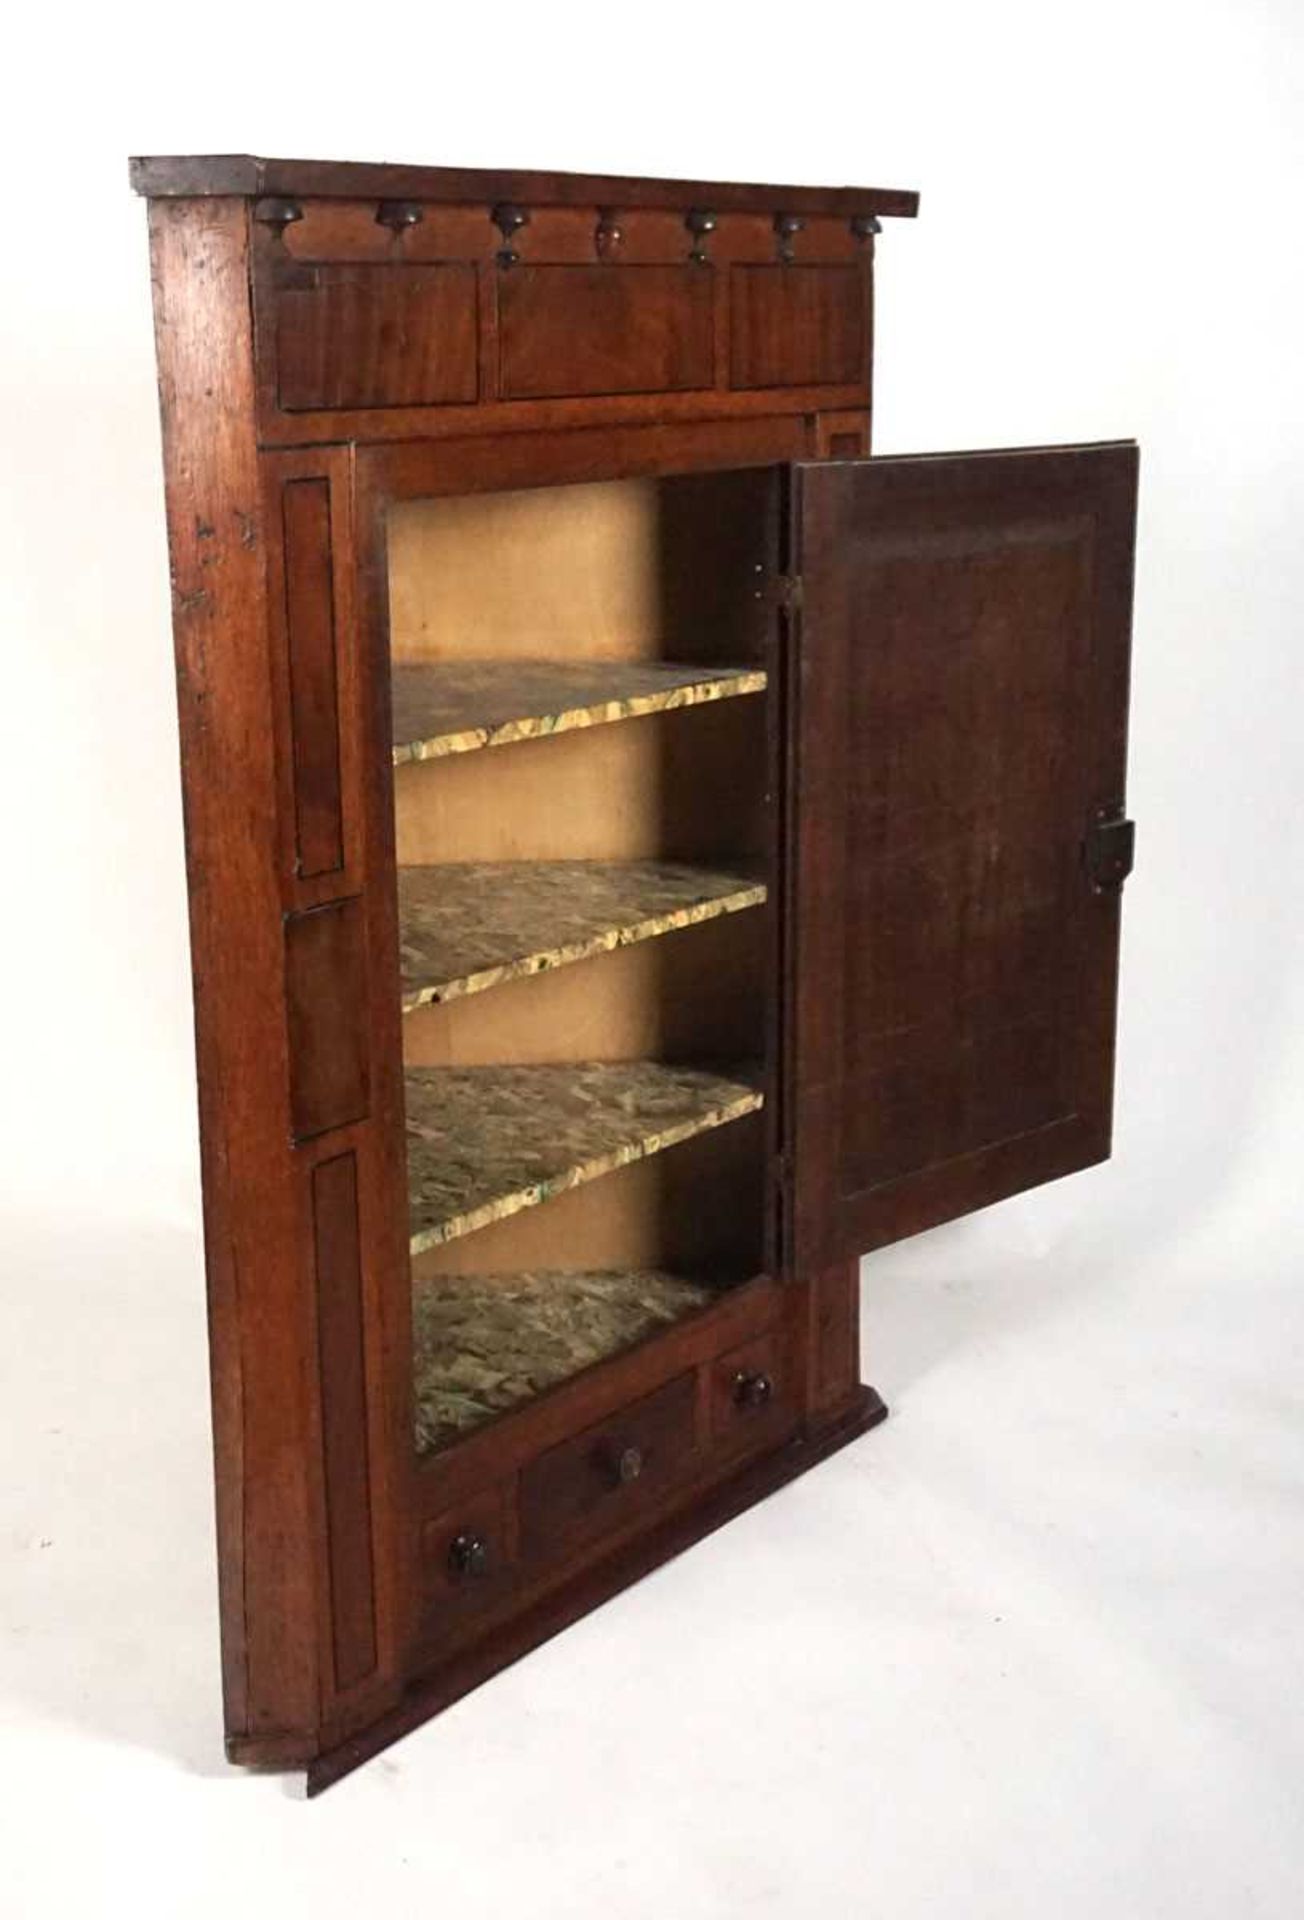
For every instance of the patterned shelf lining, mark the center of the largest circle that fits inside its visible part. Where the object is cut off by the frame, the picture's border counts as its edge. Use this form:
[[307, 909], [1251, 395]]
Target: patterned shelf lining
[[454, 706], [468, 927], [486, 1142], [484, 1343]]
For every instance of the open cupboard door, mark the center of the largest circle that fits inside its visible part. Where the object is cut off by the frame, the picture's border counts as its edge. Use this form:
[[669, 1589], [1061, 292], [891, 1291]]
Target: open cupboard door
[[960, 727]]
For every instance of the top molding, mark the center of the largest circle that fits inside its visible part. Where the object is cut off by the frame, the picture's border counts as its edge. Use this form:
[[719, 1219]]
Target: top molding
[[193, 176]]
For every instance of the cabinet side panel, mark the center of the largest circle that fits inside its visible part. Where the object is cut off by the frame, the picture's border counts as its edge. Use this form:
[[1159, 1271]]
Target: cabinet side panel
[[345, 1083], [260, 1328]]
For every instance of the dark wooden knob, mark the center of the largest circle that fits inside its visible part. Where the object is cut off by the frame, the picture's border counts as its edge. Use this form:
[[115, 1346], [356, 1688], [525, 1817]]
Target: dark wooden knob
[[468, 1556], [752, 1389], [608, 235], [509, 220], [701, 223], [398, 215], [786, 228], [629, 1465], [278, 213]]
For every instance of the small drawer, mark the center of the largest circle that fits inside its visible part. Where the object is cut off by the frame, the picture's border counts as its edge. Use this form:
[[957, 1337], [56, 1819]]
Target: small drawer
[[610, 1472], [468, 1553], [751, 1392]]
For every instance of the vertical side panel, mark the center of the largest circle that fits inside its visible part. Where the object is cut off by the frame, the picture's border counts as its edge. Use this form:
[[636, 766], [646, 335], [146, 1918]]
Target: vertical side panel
[[260, 1320], [331, 723], [341, 1359], [313, 679]]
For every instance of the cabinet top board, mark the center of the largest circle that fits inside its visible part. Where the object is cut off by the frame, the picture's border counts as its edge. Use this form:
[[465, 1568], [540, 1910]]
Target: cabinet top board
[[181, 176]]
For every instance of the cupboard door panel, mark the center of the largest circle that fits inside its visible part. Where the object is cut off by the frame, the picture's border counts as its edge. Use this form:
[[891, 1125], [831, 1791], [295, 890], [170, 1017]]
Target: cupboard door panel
[[962, 712]]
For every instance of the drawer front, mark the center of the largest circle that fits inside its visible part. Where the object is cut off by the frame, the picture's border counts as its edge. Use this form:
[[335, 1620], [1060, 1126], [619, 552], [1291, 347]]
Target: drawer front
[[384, 336], [798, 326], [752, 1396], [604, 330], [609, 1473], [468, 1555]]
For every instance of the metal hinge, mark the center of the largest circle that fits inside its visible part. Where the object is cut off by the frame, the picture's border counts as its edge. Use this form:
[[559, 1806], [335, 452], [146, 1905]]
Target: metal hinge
[[781, 590], [1109, 849]]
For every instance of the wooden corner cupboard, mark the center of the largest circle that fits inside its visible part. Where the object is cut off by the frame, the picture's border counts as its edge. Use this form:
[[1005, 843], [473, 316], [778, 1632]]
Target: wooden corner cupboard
[[644, 852]]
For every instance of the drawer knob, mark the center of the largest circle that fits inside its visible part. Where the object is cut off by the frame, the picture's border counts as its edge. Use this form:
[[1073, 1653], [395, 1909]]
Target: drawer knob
[[786, 228], [701, 224], [509, 220], [398, 215], [468, 1556], [629, 1465], [752, 1389]]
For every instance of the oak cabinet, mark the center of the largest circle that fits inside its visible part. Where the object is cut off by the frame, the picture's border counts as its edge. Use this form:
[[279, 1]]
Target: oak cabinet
[[644, 852]]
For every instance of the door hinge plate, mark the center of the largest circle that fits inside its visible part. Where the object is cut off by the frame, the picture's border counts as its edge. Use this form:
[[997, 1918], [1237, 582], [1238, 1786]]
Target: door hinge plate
[[1109, 850], [781, 590]]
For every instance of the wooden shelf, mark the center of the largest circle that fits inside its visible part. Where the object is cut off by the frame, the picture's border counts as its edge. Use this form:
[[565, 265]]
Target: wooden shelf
[[468, 927], [487, 1142], [452, 706], [484, 1343]]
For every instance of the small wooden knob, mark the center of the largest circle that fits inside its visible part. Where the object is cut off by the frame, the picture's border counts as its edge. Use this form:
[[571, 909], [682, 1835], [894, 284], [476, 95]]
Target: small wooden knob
[[752, 1389], [608, 235], [277, 212], [468, 1556], [701, 223], [398, 215], [509, 220], [786, 228]]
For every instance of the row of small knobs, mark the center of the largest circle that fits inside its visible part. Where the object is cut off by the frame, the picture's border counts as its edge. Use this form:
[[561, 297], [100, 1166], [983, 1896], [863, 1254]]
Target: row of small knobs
[[468, 1552], [609, 236]]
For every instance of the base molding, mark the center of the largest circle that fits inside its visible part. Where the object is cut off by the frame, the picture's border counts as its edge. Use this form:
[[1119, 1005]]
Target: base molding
[[276, 1752], [519, 1635]]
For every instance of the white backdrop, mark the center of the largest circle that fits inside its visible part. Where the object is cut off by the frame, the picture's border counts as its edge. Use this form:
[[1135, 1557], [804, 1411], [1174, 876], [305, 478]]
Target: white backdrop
[[1033, 1647]]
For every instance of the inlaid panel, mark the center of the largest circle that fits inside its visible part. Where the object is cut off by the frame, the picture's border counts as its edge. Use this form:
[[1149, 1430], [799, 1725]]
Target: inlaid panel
[[341, 1364], [796, 326], [313, 677], [594, 330], [325, 988], [377, 336], [962, 854]]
